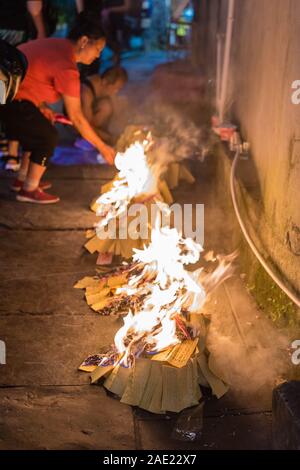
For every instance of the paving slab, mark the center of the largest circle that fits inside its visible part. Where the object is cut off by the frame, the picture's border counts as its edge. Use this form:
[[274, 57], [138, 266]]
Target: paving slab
[[97, 172], [43, 254], [238, 402], [47, 350], [243, 432], [64, 418], [53, 295]]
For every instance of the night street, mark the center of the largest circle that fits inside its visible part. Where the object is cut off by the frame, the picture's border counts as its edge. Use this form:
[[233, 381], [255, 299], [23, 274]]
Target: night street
[[49, 330], [189, 349]]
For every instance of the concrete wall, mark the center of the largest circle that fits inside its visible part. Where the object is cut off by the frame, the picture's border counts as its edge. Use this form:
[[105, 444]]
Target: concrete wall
[[265, 60]]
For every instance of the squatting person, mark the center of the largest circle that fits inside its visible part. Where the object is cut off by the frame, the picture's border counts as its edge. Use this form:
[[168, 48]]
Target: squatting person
[[97, 92]]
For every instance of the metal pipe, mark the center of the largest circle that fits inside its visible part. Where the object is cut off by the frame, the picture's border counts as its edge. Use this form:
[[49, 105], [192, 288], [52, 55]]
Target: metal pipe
[[225, 71], [219, 70], [275, 278]]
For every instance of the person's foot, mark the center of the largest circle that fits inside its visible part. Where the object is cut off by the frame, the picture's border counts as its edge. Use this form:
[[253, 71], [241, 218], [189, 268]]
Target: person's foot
[[104, 258], [37, 196], [17, 185]]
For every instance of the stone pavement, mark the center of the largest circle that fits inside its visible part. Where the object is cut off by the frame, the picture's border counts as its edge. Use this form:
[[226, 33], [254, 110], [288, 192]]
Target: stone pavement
[[48, 329]]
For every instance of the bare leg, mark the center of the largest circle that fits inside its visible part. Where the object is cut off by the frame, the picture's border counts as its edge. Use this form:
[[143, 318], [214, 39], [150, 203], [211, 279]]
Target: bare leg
[[103, 113], [35, 172], [31, 190], [12, 163], [24, 166], [101, 120], [106, 136]]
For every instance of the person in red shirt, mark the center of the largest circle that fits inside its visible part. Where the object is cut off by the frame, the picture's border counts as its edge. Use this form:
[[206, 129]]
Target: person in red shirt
[[15, 20], [52, 74]]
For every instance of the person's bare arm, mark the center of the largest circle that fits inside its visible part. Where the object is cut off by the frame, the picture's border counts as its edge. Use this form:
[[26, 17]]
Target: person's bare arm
[[73, 107], [34, 7]]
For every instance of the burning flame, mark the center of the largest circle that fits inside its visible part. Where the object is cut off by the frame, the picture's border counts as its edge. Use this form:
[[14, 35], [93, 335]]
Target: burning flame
[[159, 276], [136, 176], [171, 293]]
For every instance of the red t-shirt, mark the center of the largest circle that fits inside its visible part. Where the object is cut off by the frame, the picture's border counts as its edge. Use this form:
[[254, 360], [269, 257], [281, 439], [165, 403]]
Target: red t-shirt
[[52, 71]]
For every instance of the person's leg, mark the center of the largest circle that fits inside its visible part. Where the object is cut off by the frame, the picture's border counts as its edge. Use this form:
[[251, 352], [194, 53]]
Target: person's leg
[[12, 160], [24, 167], [24, 122], [101, 118], [103, 112], [32, 190], [34, 175], [18, 183]]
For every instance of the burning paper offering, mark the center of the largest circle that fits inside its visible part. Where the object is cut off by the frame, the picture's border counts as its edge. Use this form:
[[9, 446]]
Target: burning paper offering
[[146, 170], [137, 182], [159, 355]]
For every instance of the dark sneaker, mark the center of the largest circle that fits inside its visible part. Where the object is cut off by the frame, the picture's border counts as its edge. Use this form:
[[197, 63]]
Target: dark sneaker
[[17, 185], [37, 196]]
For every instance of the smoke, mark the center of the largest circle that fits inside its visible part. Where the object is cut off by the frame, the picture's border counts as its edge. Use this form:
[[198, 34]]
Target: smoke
[[176, 136], [246, 350], [251, 355]]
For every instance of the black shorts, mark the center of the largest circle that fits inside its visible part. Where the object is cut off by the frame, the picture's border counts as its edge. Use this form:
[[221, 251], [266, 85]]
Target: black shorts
[[24, 122]]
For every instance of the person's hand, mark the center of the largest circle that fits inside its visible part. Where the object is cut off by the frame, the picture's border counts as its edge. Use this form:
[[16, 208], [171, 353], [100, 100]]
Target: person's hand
[[108, 153], [47, 112]]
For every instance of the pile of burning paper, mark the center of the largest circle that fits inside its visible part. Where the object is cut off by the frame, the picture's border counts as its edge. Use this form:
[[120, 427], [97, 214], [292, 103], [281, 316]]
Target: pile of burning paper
[[175, 168], [137, 182], [159, 357], [142, 178]]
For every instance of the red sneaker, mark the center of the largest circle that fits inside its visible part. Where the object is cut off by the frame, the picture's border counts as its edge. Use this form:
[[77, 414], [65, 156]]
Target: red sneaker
[[37, 196], [17, 185]]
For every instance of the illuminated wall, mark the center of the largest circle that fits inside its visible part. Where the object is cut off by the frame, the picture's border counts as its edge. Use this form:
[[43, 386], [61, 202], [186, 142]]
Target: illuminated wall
[[265, 61]]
